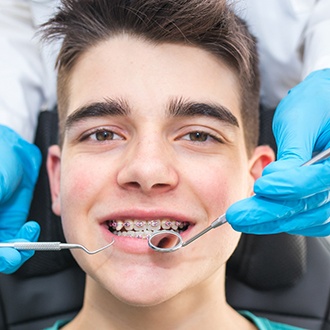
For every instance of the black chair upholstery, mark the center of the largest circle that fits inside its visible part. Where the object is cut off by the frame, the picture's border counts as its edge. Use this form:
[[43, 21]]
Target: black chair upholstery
[[304, 300], [282, 277]]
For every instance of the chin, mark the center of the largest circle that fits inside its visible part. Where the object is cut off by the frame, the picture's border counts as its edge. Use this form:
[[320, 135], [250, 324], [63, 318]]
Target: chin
[[136, 287], [144, 300], [138, 295]]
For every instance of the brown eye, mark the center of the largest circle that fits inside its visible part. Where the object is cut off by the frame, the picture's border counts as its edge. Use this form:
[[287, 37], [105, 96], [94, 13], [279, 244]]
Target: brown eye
[[198, 136], [104, 135]]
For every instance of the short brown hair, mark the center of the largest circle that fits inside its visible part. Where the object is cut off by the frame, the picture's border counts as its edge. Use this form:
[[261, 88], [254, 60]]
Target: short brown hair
[[207, 24]]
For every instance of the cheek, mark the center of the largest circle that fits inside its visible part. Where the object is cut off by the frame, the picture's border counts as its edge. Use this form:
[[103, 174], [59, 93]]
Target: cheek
[[81, 178], [221, 186], [79, 191], [76, 188]]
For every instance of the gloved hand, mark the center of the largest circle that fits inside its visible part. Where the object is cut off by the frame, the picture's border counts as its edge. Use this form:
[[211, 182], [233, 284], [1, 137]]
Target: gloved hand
[[289, 198], [19, 168]]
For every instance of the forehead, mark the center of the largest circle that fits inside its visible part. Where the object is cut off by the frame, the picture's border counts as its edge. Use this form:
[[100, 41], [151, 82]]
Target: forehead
[[147, 76]]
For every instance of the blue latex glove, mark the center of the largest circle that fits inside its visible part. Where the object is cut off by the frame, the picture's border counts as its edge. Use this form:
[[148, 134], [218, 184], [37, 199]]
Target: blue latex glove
[[19, 168], [290, 198]]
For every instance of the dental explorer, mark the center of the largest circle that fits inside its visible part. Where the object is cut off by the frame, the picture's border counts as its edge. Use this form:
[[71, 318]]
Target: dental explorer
[[50, 246]]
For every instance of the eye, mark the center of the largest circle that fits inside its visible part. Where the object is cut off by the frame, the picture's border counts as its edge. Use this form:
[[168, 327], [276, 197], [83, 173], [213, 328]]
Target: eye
[[101, 135], [200, 136]]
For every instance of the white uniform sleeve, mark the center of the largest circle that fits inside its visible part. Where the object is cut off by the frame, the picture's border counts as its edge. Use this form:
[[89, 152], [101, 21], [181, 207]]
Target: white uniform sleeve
[[293, 40], [25, 84], [316, 52]]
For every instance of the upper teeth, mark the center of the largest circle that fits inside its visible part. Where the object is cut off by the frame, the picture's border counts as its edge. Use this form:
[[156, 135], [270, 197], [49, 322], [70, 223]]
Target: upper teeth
[[145, 226]]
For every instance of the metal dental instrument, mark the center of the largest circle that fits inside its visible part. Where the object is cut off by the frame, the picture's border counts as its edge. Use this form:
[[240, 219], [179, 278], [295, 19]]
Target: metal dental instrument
[[320, 156], [50, 246], [170, 241]]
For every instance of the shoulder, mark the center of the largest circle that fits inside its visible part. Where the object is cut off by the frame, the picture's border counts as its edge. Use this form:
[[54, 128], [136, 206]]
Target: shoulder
[[58, 325], [265, 324]]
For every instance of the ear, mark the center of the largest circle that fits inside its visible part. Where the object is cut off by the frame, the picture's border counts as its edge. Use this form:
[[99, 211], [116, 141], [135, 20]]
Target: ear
[[54, 175], [262, 156]]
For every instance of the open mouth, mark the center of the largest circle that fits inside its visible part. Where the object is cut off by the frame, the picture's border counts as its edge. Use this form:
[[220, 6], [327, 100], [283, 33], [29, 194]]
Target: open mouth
[[144, 228]]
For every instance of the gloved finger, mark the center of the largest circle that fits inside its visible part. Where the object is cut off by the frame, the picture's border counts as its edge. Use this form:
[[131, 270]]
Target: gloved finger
[[30, 157], [315, 223], [317, 231], [308, 220], [296, 139], [281, 166], [11, 259], [301, 123], [294, 183], [287, 164], [22, 162], [14, 212], [11, 173], [259, 210], [30, 231]]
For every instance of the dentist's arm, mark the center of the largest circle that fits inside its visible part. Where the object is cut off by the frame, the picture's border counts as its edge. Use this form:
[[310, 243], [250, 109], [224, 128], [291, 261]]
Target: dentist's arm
[[19, 168], [289, 198]]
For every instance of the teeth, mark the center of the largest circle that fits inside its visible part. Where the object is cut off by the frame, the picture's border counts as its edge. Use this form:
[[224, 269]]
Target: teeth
[[181, 224], [166, 224], [175, 225], [128, 224], [140, 225], [143, 228], [119, 225], [131, 233], [153, 225]]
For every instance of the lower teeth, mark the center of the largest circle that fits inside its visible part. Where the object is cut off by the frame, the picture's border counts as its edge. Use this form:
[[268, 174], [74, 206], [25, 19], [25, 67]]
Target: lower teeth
[[135, 234]]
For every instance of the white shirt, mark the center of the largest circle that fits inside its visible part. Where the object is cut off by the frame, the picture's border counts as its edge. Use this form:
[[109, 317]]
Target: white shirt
[[27, 75], [293, 41]]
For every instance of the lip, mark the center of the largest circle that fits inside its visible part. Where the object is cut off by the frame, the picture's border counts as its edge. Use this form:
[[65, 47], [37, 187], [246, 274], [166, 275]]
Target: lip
[[137, 245]]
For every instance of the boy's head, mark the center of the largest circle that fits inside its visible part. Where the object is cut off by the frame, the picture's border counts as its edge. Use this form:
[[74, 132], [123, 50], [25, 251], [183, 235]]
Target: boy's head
[[154, 111], [209, 25]]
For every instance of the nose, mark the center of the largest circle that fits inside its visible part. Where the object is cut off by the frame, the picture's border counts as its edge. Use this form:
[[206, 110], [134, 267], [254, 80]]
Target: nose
[[149, 166]]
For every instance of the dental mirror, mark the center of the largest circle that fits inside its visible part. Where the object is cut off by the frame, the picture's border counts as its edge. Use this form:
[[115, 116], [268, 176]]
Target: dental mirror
[[170, 241]]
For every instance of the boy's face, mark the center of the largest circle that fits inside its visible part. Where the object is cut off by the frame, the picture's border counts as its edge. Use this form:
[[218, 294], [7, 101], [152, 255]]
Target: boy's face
[[153, 138]]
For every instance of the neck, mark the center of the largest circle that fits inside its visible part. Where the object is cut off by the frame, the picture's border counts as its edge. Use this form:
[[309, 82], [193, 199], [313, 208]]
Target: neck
[[197, 309]]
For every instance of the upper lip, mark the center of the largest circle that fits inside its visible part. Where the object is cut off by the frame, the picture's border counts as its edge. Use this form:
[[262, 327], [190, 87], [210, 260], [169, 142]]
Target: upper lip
[[138, 214]]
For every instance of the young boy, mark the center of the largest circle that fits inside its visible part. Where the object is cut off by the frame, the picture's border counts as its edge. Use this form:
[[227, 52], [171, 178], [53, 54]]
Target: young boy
[[158, 105]]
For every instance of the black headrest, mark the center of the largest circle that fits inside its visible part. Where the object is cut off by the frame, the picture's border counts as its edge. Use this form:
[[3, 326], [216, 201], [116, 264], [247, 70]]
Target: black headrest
[[269, 262]]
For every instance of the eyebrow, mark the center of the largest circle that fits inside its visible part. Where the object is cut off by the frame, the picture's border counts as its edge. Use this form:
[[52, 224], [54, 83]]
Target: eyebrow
[[108, 107], [177, 108], [181, 108]]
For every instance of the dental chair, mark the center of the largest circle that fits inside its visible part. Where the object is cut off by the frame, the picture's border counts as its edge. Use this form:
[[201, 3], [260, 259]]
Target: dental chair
[[282, 277]]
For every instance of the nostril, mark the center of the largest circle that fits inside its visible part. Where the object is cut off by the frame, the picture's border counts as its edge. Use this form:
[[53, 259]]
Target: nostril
[[160, 185], [133, 184], [138, 185]]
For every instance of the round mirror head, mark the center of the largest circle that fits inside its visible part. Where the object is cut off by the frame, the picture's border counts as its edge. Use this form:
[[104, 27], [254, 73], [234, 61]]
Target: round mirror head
[[165, 241]]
